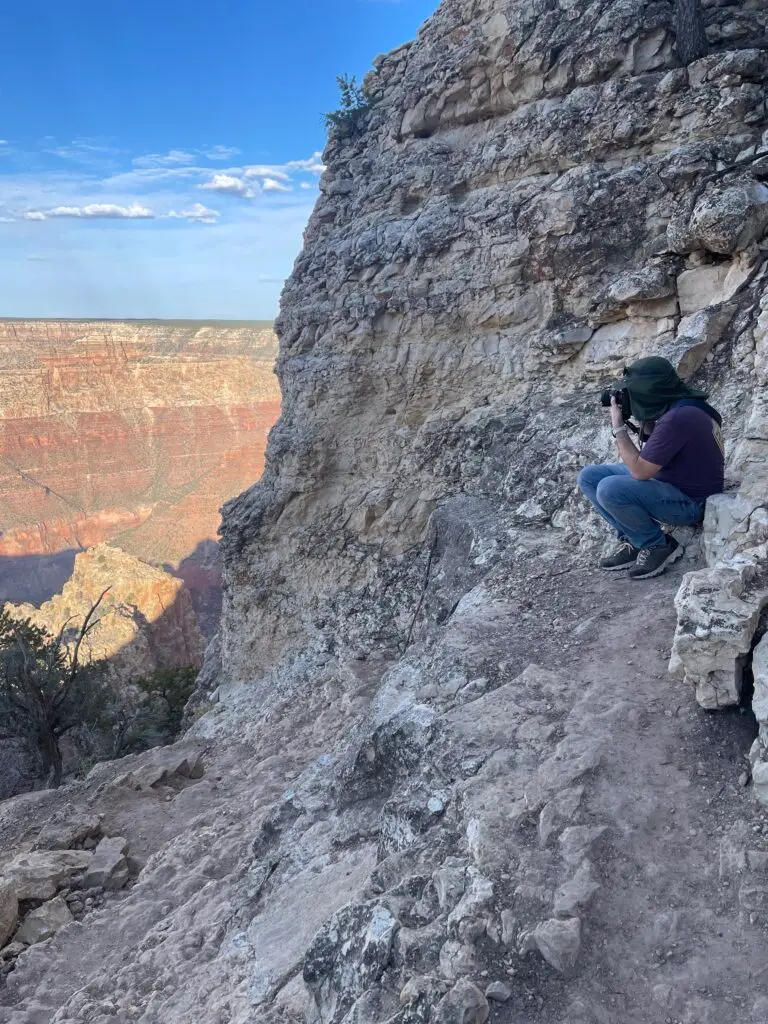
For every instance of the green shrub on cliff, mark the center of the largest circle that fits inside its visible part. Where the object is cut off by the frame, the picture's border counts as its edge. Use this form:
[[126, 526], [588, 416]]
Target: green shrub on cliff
[[354, 107]]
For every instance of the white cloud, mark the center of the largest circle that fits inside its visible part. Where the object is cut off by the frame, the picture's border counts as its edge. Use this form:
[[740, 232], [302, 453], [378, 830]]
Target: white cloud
[[220, 152], [145, 177], [3, 142], [314, 164], [305, 184], [172, 158], [85, 151], [199, 213], [229, 185], [94, 211], [271, 185], [266, 171]]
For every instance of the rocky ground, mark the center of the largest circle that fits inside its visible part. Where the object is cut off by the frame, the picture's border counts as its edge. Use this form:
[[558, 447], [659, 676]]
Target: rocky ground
[[576, 839]]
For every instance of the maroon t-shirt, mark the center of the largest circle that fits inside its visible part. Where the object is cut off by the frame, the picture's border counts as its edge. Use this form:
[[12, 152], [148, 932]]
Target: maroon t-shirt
[[687, 443]]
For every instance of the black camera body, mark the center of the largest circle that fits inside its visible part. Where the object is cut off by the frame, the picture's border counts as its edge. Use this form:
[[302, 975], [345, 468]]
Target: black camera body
[[622, 400]]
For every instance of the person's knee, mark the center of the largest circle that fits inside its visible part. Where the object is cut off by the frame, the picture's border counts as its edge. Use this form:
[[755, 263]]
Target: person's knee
[[589, 477], [614, 489]]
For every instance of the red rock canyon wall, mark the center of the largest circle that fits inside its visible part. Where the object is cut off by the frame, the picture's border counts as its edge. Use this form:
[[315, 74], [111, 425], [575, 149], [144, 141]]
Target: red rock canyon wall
[[133, 432]]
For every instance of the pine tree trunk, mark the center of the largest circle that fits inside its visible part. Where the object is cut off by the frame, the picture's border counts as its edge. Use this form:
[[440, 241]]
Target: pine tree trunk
[[50, 754], [691, 39]]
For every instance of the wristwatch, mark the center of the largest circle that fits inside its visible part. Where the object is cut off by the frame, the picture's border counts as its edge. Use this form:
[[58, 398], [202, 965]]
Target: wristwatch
[[619, 430]]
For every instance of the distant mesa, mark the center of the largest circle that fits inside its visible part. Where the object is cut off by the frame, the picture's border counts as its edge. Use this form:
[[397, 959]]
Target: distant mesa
[[132, 431]]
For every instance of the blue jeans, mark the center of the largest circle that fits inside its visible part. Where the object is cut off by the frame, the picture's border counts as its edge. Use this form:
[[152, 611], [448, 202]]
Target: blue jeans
[[634, 508]]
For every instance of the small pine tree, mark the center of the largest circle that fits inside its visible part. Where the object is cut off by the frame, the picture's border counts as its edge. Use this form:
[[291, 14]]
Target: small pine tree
[[45, 690], [353, 109]]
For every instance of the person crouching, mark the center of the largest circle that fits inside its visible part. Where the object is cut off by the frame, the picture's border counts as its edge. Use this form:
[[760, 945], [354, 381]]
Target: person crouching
[[668, 480]]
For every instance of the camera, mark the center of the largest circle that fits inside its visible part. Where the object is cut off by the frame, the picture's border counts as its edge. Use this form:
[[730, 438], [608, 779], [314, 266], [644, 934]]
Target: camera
[[622, 400]]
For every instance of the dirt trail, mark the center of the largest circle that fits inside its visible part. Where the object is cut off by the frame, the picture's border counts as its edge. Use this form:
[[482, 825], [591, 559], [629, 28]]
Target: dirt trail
[[666, 939]]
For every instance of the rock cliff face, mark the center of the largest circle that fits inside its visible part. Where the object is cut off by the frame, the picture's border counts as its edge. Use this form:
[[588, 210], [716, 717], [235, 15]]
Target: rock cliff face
[[134, 431], [540, 197], [447, 777]]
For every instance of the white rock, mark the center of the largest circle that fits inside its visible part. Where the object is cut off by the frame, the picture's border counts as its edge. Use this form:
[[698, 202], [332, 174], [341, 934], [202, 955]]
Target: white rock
[[576, 841], [559, 942], [44, 922], [449, 886], [464, 1004], [498, 992], [37, 876], [701, 287], [697, 334], [760, 676], [577, 891], [723, 605], [109, 867]]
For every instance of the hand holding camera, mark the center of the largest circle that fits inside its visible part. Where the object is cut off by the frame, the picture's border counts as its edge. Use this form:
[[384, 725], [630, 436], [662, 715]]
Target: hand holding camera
[[617, 399]]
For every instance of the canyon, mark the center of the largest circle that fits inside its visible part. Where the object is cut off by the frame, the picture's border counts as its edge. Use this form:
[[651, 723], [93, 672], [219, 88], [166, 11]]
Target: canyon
[[129, 431], [440, 769]]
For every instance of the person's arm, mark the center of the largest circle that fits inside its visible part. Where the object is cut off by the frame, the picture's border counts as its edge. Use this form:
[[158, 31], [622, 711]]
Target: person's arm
[[630, 456]]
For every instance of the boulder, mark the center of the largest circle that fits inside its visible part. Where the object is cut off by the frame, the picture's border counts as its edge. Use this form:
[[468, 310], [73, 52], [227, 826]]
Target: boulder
[[54, 836], [559, 942], [760, 675], [724, 220], [646, 285], [577, 840], [109, 867], [697, 334], [701, 287], [577, 891], [498, 992], [44, 922], [38, 875], [449, 884], [717, 614], [464, 1004]]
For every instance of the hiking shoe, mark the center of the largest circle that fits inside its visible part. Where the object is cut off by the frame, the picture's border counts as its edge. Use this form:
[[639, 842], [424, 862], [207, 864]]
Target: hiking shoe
[[622, 558], [653, 561]]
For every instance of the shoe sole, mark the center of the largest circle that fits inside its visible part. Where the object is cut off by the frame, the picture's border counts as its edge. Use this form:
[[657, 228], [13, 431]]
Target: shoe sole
[[618, 568], [671, 558]]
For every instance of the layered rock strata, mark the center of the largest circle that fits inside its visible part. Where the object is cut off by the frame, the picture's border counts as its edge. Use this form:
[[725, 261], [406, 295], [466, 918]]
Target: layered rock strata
[[133, 431]]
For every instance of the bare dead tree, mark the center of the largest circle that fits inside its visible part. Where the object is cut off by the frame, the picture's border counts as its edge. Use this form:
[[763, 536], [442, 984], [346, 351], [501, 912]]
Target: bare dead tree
[[45, 690], [690, 36]]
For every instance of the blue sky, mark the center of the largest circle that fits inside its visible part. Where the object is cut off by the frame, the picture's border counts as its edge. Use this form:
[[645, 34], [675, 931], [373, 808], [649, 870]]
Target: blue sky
[[160, 158]]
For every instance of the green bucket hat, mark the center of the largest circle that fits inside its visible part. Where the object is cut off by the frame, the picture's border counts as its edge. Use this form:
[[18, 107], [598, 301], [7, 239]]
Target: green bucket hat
[[653, 386]]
